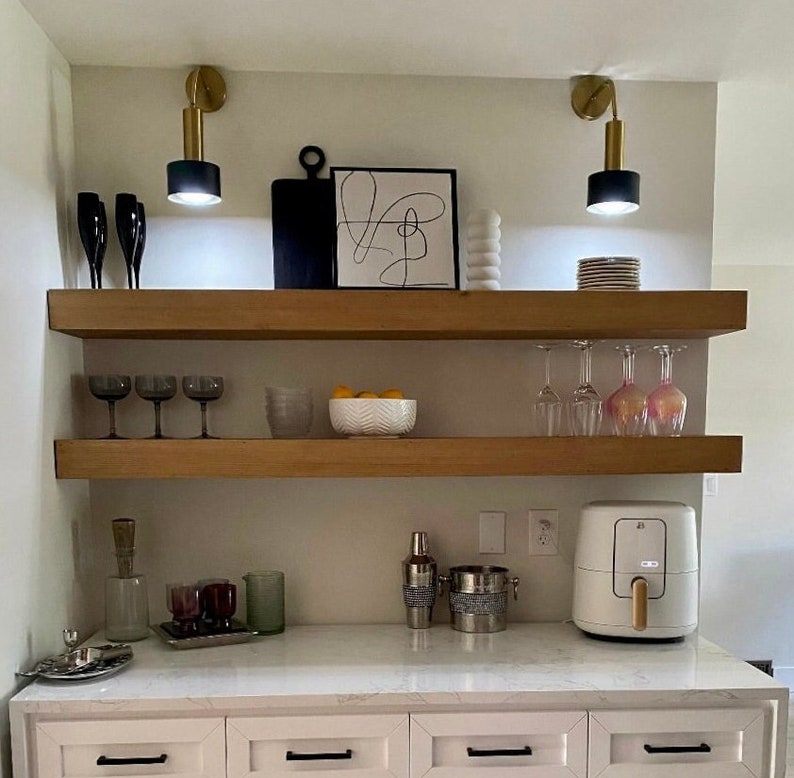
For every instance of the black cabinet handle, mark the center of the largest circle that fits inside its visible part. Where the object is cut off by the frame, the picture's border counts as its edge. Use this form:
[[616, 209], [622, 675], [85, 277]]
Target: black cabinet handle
[[294, 756], [703, 748], [116, 760], [525, 751]]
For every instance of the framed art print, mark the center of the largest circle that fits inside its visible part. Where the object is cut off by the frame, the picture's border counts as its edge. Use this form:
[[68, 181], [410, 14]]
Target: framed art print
[[396, 228]]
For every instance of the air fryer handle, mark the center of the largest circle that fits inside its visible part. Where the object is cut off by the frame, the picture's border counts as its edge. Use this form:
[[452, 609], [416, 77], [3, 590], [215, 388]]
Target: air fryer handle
[[639, 604]]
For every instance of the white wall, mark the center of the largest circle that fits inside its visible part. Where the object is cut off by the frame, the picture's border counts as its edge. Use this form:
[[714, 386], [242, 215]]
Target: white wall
[[748, 534], [43, 563], [517, 147]]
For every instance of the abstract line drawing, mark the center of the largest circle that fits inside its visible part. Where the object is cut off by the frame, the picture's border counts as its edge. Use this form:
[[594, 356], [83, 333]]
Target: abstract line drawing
[[396, 228]]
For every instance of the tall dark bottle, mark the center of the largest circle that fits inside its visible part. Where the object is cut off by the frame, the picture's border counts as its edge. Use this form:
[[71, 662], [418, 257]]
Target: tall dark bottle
[[419, 583]]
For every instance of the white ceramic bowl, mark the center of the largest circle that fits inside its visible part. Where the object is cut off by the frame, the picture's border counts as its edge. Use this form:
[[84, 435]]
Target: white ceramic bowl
[[362, 417]]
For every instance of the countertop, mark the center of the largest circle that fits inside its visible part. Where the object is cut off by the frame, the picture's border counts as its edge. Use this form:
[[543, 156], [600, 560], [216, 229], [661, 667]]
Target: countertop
[[390, 666]]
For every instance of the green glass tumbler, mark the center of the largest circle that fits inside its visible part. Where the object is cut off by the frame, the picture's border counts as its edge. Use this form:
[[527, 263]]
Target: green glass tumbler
[[264, 599]]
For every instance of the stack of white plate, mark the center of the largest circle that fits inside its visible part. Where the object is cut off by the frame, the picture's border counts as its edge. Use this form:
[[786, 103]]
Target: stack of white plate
[[608, 273]]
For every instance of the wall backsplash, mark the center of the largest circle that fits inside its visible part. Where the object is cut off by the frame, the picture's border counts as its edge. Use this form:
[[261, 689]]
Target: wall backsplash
[[519, 149]]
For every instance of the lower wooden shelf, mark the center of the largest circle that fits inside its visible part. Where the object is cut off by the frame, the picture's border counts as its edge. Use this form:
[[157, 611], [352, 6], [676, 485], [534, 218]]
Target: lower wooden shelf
[[407, 457]]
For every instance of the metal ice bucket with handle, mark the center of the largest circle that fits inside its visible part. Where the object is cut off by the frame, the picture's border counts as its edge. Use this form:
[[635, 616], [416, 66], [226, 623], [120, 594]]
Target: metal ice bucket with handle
[[478, 597]]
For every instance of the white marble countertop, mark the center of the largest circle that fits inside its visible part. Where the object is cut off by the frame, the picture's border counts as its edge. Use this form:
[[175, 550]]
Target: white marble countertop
[[366, 666]]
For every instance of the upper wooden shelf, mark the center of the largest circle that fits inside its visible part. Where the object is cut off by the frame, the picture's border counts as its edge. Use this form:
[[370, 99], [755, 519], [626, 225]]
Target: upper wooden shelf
[[394, 315], [408, 457]]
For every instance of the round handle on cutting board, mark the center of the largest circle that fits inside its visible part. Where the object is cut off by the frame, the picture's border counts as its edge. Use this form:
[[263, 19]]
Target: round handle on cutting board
[[639, 604], [312, 168]]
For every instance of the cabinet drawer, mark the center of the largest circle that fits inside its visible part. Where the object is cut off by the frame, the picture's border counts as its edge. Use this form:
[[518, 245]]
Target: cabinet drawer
[[499, 745], [173, 747], [709, 743], [334, 746]]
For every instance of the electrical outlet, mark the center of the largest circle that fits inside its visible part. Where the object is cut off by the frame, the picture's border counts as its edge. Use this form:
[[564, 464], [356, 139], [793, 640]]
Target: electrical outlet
[[544, 532]]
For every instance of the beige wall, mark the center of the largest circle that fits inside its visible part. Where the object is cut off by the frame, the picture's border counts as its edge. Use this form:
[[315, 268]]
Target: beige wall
[[518, 148], [45, 547], [748, 534]]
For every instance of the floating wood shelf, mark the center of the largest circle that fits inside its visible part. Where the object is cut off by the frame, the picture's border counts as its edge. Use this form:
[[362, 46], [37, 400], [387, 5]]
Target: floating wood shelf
[[394, 315], [338, 458]]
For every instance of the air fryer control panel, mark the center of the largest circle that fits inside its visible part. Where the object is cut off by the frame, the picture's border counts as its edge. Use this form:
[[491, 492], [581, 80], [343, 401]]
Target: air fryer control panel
[[639, 550]]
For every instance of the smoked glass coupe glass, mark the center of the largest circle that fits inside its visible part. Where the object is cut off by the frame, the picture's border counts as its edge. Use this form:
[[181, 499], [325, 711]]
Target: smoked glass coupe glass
[[156, 389], [203, 389], [110, 388]]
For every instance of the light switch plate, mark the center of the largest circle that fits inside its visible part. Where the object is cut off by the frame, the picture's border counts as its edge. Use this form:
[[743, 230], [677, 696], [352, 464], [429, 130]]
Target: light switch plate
[[492, 532]]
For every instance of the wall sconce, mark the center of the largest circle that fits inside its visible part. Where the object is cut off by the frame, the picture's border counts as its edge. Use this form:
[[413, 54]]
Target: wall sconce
[[192, 181], [612, 190]]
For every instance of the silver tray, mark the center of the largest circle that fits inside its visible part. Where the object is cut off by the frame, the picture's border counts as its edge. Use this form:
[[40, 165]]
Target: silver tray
[[48, 669], [242, 635]]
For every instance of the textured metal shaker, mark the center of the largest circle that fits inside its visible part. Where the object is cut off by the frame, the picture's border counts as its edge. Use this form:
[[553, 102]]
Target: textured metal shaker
[[419, 583]]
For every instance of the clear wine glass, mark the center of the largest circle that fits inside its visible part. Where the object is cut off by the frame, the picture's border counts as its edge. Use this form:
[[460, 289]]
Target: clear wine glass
[[156, 389], [628, 405], [585, 406], [547, 406], [203, 389], [110, 388], [667, 403]]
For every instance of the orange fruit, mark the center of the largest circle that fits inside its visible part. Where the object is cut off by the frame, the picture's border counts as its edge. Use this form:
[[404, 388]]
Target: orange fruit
[[392, 394], [342, 391], [367, 395]]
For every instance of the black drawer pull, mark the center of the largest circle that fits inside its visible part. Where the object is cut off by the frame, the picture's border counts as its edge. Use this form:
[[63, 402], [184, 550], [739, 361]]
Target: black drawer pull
[[293, 756], [115, 760], [525, 751], [703, 748]]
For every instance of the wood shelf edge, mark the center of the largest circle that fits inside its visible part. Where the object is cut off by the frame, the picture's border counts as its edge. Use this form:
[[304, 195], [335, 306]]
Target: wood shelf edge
[[393, 315], [407, 457]]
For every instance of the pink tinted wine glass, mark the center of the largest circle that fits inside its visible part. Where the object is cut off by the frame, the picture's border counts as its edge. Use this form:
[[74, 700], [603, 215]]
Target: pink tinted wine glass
[[627, 406], [666, 403]]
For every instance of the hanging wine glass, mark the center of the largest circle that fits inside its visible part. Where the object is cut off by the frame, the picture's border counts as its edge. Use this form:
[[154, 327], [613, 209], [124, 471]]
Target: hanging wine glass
[[88, 225], [156, 389], [140, 245], [585, 407], [110, 388], [547, 406], [628, 405], [667, 403], [203, 389], [127, 229]]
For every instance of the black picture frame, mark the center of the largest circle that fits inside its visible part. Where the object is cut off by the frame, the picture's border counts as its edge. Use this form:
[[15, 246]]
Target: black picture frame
[[395, 228]]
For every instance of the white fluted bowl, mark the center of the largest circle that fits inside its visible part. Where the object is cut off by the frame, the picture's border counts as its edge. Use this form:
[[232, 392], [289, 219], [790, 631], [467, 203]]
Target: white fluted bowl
[[381, 418]]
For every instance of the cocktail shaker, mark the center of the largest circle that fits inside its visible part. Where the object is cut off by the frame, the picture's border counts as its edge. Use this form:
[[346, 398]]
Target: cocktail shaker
[[419, 583]]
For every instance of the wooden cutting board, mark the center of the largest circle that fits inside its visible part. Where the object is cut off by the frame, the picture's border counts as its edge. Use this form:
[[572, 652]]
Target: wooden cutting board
[[302, 212]]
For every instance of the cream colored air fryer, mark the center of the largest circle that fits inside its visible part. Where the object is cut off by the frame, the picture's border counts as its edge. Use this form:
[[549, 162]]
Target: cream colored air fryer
[[636, 570]]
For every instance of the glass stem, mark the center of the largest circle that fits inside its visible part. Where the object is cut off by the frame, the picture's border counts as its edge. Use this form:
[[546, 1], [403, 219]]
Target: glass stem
[[628, 367], [548, 367], [112, 418], [158, 433], [585, 365], [204, 433], [667, 367]]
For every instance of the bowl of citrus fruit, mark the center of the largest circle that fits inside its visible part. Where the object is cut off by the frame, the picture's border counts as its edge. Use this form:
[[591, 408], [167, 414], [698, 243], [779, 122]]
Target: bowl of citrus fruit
[[371, 414]]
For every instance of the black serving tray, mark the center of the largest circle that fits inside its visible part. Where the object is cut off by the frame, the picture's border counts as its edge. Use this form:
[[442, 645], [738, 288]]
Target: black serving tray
[[206, 637]]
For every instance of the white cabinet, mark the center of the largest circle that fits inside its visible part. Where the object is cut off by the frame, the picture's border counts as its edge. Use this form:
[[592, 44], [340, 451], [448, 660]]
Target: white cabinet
[[185, 747], [549, 744], [707, 743], [358, 746]]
